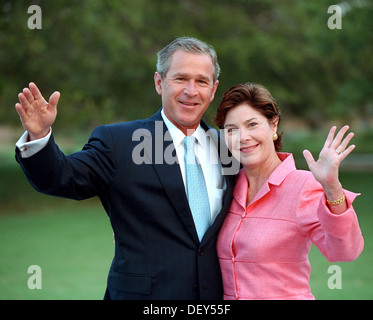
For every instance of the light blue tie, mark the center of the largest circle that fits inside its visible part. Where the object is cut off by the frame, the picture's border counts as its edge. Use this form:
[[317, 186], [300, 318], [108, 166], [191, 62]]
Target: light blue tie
[[196, 189]]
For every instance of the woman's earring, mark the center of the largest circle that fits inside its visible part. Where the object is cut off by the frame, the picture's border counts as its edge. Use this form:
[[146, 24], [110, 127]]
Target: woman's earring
[[275, 137]]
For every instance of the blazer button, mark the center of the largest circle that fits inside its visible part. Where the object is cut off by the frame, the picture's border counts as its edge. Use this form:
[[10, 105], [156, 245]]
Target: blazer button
[[200, 252]]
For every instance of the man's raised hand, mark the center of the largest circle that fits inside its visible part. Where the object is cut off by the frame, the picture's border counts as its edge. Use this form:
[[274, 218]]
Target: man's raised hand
[[36, 114]]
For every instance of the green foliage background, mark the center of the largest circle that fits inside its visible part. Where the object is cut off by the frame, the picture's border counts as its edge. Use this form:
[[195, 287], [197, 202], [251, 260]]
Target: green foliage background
[[101, 55]]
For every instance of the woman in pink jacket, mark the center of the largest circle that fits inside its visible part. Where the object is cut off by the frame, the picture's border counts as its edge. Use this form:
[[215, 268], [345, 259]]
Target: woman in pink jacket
[[278, 211]]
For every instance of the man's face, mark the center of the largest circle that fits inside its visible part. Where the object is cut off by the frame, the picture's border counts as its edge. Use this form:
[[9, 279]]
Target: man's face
[[188, 89]]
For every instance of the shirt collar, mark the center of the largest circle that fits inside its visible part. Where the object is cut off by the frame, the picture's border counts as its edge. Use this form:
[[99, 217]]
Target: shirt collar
[[276, 178], [178, 136], [282, 171]]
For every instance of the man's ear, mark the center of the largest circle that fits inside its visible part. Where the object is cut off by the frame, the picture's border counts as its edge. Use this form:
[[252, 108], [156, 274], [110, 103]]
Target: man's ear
[[158, 83], [214, 88]]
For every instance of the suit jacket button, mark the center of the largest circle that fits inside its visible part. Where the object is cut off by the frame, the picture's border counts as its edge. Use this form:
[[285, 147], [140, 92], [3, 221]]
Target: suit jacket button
[[200, 252]]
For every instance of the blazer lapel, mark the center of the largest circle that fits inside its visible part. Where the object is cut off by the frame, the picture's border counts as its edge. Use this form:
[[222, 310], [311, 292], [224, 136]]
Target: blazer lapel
[[168, 171], [170, 176], [229, 168]]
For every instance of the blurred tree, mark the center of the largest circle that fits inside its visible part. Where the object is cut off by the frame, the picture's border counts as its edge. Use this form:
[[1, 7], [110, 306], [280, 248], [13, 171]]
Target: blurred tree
[[101, 54]]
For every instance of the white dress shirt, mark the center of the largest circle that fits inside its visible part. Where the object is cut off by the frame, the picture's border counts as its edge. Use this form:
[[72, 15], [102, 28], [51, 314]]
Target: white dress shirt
[[29, 148], [207, 153]]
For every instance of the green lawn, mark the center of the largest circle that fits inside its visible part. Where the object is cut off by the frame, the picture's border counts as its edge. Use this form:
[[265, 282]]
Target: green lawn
[[73, 246], [357, 276], [72, 243]]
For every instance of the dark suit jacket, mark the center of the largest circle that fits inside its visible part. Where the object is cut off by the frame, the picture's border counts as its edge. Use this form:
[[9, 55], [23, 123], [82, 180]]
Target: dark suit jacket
[[157, 251]]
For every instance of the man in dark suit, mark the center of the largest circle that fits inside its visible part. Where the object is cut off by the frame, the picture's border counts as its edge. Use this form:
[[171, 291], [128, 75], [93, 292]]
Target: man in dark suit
[[138, 171]]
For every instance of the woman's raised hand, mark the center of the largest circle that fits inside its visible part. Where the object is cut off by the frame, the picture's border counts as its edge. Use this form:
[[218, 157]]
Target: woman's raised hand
[[326, 168]]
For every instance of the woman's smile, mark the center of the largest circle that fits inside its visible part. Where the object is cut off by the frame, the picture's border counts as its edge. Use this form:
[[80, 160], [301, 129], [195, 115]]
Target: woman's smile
[[248, 149]]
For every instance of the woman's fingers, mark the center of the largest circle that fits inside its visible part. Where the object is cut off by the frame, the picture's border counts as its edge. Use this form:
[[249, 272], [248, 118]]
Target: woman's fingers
[[338, 139], [329, 139]]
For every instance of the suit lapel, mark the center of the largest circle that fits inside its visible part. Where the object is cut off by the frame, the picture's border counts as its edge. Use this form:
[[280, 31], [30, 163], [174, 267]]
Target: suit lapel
[[170, 176], [168, 171], [229, 179]]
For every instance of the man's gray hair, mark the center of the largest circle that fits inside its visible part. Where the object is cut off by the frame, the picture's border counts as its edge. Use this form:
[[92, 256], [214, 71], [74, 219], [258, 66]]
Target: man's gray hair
[[187, 44]]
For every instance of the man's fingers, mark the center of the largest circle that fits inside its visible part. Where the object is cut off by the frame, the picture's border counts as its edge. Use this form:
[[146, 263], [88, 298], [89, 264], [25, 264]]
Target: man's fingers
[[20, 110], [28, 95], [23, 100], [35, 91], [53, 100]]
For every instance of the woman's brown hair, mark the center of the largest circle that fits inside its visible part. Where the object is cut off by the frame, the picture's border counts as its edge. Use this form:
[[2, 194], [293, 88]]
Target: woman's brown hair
[[257, 97]]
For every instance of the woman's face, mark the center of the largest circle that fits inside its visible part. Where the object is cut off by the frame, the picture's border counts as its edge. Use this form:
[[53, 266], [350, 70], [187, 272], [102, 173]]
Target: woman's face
[[249, 136]]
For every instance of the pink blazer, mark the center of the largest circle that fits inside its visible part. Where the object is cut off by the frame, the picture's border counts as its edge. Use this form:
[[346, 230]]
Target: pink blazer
[[263, 248]]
